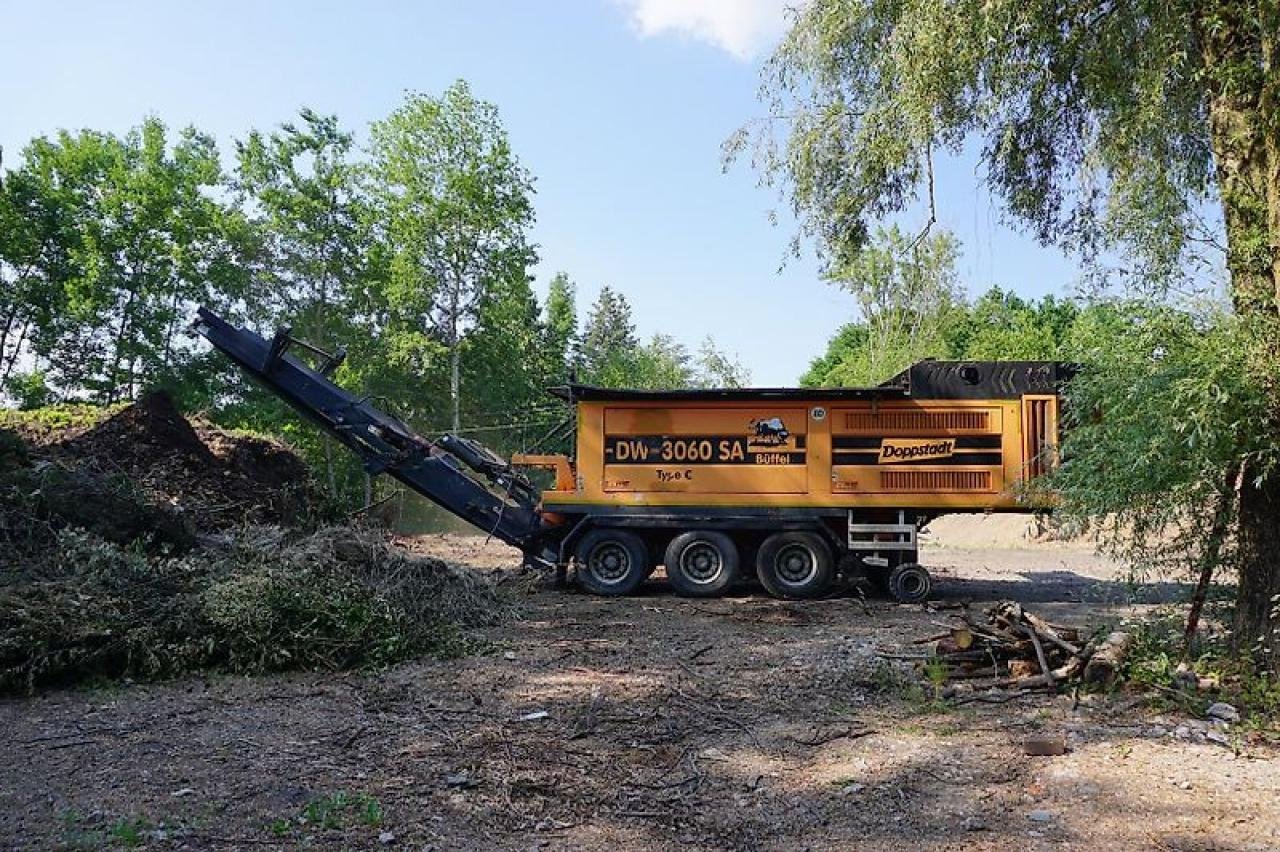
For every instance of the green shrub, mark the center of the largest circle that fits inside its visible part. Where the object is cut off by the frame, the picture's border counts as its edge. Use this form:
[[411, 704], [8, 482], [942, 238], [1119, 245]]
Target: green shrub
[[54, 420], [1160, 661]]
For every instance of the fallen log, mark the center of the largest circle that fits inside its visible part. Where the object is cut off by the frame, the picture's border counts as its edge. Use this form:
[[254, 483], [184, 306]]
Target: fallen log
[[1047, 631], [1105, 663], [1040, 655], [1066, 672]]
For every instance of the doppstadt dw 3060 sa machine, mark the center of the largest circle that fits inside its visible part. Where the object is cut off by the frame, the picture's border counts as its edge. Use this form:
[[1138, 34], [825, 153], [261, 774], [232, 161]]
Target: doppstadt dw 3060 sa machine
[[797, 485]]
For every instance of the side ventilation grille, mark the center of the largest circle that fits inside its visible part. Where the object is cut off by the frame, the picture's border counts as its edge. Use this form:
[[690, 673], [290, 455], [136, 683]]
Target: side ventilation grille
[[1039, 425], [925, 422], [935, 480]]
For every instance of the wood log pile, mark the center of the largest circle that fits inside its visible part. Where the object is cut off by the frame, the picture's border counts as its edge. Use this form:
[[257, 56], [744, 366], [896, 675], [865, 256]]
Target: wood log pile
[[1015, 650]]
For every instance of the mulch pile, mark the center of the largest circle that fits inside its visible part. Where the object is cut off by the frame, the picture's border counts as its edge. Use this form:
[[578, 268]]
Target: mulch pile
[[214, 478]]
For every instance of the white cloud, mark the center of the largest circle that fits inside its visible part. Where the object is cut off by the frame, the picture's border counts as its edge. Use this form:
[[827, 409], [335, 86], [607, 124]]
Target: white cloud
[[744, 28]]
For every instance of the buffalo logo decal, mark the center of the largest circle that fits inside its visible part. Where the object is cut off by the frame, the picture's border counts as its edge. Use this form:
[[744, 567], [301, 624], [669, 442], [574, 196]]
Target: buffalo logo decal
[[769, 433]]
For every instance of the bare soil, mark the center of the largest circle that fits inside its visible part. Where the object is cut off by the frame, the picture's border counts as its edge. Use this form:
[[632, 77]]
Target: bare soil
[[651, 722]]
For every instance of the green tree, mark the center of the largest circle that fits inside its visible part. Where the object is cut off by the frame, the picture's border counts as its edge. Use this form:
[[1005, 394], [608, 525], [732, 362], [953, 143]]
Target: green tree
[[1106, 128], [560, 330], [612, 356], [661, 364], [302, 186], [998, 326], [455, 206], [1002, 326], [904, 289], [141, 237], [609, 345], [841, 364], [34, 265], [502, 364], [1100, 126], [1158, 423], [713, 368], [308, 208]]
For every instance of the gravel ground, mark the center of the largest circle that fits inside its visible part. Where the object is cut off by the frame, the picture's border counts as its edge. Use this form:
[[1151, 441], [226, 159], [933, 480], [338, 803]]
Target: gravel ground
[[647, 722]]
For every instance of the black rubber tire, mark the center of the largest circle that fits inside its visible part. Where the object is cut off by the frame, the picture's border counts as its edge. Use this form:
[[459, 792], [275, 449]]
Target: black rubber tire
[[909, 583], [782, 569], [702, 564], [612, 562]]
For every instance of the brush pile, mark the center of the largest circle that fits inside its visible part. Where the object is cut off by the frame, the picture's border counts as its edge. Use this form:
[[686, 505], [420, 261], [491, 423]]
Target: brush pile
[[1016, 650], [140, 546], [262, 599]]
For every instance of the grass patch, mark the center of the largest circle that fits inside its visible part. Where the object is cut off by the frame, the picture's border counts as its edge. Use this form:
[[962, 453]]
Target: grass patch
[[75, 837], [126, 832], [922, 697], [333, 812], [129, 832]]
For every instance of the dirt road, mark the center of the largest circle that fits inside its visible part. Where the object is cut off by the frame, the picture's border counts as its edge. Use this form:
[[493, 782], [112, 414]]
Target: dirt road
[[647, 722]]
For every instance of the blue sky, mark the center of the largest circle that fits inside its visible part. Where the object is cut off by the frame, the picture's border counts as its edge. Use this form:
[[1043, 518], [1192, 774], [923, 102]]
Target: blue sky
[[618, 107]]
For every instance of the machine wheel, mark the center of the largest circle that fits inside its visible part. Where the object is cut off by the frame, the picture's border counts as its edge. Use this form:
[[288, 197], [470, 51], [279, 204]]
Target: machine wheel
[[701, 564], [909, 583], [612, 562], [795, 565]]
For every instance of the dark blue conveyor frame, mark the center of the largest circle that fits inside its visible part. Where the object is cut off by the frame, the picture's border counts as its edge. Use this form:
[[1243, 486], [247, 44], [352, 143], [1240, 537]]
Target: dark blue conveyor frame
[[493, 496]]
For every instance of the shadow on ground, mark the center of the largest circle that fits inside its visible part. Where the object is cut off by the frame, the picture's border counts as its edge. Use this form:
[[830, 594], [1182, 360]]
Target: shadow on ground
[[1057, 586]]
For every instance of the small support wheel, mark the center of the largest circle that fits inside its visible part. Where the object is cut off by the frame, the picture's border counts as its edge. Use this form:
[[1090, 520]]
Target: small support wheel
[[701, 564], [909, 583], [612, 562], [795, 565]]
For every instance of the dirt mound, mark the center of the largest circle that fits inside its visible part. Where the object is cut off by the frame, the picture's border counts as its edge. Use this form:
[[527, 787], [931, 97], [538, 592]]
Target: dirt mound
[[265, 462], [215, 478], [150, 428]]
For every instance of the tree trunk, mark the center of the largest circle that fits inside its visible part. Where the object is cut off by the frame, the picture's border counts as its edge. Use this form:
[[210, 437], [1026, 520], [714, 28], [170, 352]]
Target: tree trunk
[[1269, 113], [4, 333], [330, 478], [1242, 172], [175, 313], [455, 383], [455, 358], [1242, 119], [1223, 512], [1257, 619], [7, 365], [126, 317]]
